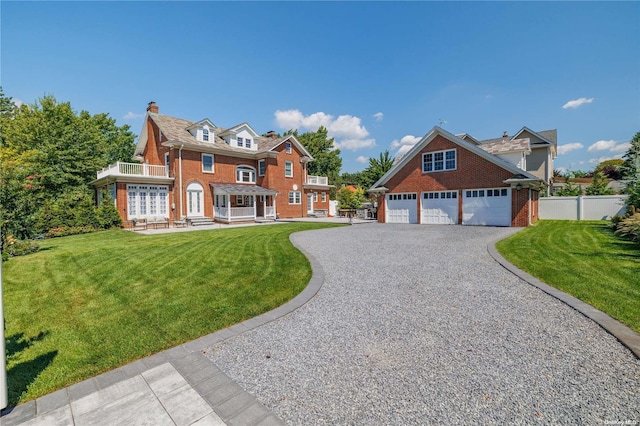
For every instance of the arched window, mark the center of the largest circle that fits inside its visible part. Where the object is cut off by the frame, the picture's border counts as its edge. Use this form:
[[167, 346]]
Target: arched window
[[205, 135], [245, 174]]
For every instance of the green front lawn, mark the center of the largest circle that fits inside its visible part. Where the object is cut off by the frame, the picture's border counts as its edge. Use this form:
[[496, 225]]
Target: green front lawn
[[584, 259], [89, 303]]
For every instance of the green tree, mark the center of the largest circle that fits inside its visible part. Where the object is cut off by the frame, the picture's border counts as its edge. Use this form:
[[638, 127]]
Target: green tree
[[350, 199], [47, 149], [378, 167], [631, 165], [598, 185], [610, 168], [327, 160]]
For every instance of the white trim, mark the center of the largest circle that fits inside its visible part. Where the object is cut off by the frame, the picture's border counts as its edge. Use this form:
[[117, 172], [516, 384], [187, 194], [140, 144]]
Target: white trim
[[285, 169], [264, 162], [213, 167], [246, 169], [438, 131]]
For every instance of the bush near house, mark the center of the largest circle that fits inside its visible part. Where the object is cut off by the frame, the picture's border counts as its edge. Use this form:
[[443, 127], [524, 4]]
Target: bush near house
[[629, 227]]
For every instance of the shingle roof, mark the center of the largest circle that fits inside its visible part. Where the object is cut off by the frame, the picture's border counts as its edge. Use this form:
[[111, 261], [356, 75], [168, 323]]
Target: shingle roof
[[505, 146], [174, 129]]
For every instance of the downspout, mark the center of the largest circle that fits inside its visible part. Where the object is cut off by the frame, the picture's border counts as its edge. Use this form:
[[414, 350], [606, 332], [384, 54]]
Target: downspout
[[180, 172]]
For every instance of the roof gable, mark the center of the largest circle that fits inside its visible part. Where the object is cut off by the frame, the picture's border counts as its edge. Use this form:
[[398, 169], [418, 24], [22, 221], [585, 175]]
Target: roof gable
[[435, 131], [238, 128], [536, 137]]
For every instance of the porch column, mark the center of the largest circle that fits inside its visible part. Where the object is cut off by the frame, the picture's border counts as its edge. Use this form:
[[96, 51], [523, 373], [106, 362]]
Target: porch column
[[275, 212], [229, 207], [255, 212], [264, 206]]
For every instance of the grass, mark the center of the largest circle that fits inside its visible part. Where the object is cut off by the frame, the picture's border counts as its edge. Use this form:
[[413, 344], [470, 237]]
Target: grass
[[584, 259], [89, 303]]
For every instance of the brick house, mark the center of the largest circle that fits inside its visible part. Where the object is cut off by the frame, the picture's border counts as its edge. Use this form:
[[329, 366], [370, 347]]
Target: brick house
[[198, 172], [446, 179]]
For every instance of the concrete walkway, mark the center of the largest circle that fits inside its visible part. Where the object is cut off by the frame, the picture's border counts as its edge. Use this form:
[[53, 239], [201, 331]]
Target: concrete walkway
[[182, 386]]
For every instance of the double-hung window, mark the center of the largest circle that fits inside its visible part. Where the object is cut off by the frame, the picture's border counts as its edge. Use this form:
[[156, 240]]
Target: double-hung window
[[294, 197], [288, 169], [205, 135], [287, 146], [240, 142], [324, 197], [247, 142], [439, 161], [262, 167], [207, 163]]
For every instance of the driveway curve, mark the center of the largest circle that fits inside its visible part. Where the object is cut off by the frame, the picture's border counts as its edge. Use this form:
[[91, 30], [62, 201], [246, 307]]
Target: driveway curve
[[419, 325]]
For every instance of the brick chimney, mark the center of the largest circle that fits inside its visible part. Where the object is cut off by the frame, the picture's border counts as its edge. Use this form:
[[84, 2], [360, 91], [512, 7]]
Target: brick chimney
[[505, 134], [152, 107], [271, 134]]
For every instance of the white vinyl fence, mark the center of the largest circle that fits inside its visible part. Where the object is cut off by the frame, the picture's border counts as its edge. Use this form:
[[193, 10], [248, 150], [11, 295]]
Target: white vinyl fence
[[585, 207]]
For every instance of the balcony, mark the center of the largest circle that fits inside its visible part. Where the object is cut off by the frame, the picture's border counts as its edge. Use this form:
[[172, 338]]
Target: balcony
[[134, 169], [318, 180]]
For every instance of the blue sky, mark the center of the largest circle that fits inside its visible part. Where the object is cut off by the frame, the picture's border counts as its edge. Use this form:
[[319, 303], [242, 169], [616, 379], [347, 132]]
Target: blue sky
[[378, 75]]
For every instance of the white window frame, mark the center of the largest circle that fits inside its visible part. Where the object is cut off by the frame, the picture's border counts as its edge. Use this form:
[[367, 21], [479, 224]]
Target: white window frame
[[205, 135], [290, 163], [166, 162], [429, 161], [240, 200], [324, 197], [212, 163], [250, 172], [262, 167], [287, 147], [315, 197], [247, 142], [240, 142], [147, 201], [295, 197]]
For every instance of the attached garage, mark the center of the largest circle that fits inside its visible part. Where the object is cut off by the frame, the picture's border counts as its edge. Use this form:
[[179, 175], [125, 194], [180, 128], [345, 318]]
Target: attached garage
[[439, 207], [490, 207], [402, 208]]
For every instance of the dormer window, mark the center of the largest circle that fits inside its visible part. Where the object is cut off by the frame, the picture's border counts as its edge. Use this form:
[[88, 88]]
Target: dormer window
[[287, 147], [240, 142], [205, 135], [247, 143]]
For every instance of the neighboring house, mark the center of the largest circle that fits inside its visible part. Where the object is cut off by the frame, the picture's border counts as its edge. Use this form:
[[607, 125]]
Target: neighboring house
[[531, 151], [196, 170], [446, 179]]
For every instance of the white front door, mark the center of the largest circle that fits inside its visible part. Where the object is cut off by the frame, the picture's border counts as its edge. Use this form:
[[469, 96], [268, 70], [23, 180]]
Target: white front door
[[310, 202], [195, 202]]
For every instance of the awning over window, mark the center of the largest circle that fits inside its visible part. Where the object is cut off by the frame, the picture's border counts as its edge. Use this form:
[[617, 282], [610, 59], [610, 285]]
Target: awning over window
[[226, 189]]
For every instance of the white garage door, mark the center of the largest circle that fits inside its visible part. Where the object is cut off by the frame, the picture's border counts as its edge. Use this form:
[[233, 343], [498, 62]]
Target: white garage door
[[402, 208], [440, 207], [487, 207]]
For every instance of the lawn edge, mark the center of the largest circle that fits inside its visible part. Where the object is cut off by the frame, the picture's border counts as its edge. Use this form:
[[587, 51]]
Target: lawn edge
[[623, 333]]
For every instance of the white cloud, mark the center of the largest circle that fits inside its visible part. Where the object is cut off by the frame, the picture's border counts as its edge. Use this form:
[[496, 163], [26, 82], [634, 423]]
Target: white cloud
[[132, 116], [355, 144], [378, 116], [568, 147], [602, 146], [362, 159], [348, 127], [17, 102], [621, 147], [577, 102], [405, 144]]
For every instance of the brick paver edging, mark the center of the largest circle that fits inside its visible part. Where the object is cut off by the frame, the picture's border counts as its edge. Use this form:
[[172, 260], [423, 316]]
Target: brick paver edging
[[624, 334]]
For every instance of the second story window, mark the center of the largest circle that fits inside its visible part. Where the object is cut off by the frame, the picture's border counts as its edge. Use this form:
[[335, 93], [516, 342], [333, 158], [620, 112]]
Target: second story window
[[262, 167], [245, 174], [287, 147], [439, 161], [240, 142], [247, 143], [205, 135], [288, 169], [207, 163]]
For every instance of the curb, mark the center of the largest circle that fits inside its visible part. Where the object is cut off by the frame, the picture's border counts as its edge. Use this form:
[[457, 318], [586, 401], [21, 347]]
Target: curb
[[624, 334]]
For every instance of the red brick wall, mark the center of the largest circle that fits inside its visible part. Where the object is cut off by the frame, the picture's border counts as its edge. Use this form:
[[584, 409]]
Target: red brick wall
[[472, 171], [276, 180]]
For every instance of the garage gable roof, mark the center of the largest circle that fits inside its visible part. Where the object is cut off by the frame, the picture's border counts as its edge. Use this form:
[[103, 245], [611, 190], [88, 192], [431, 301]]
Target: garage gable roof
[[435, 131]]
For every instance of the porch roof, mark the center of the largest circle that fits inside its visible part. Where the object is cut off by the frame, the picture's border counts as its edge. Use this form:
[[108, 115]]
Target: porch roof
[[227, 189]]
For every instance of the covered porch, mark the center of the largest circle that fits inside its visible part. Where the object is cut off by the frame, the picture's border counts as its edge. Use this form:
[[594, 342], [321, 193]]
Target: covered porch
[[232, 203]]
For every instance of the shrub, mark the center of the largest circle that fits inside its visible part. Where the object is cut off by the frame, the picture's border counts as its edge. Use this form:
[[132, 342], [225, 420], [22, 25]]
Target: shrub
[[63, 231], [73, 208], [630, 227], [15, 247], [107, 215]]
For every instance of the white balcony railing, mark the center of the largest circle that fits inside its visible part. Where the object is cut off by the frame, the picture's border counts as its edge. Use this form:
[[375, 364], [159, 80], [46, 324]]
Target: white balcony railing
[[135, 169], [317, 180], [235, 213]]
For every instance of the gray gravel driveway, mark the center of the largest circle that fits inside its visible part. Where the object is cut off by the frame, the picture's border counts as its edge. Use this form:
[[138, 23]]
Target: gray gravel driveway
[[419, 325]]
